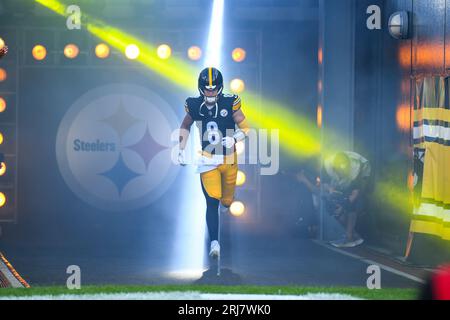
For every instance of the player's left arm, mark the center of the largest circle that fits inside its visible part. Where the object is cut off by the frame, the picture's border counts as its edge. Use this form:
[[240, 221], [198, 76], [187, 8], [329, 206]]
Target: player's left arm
[[240, 120], [242, 123]]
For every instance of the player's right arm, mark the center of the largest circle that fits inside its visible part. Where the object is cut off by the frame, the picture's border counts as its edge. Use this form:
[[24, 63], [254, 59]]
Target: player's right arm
[[185, 129]]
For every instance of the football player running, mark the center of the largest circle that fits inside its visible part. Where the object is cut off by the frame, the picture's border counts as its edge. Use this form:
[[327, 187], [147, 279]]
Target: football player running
[[216, 114]]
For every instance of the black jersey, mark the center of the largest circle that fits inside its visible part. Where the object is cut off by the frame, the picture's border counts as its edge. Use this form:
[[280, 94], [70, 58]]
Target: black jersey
[[214, 123]]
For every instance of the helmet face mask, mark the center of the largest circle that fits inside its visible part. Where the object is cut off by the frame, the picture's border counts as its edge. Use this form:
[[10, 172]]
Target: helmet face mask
[[211, 96], [210, 85]]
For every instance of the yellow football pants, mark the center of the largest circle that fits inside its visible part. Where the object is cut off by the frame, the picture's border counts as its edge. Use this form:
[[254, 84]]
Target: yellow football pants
[[220, 183]]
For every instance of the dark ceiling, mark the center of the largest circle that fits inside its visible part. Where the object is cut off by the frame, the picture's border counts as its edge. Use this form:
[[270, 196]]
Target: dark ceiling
[[244, 10]]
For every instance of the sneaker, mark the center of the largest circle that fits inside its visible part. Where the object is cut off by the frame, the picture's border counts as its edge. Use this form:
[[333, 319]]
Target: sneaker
[[339, 243], [215, 249], [355, 243], [347, 244]]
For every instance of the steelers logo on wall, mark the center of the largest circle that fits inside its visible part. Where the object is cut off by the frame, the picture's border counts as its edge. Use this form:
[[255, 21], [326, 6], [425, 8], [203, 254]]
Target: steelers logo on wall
[[113, 147]]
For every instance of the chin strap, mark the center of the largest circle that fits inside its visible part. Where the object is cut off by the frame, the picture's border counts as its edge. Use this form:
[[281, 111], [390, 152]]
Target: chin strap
[[212, 99]]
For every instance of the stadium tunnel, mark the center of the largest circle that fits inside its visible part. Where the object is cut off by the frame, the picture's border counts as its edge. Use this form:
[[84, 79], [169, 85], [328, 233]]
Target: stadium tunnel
[[87, 114]]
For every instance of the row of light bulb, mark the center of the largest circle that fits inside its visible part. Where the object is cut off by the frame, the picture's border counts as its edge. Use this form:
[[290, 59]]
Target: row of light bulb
[[132, 52]]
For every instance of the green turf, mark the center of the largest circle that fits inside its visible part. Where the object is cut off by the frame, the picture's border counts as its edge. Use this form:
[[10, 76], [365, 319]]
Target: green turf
[[382, 294]]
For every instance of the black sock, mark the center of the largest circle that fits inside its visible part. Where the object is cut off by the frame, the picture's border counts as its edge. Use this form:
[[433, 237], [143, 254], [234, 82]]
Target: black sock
[[212, 216]]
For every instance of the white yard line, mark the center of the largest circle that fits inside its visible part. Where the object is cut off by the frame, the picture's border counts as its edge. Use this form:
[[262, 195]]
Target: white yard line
[[371, 262], [193, 295]]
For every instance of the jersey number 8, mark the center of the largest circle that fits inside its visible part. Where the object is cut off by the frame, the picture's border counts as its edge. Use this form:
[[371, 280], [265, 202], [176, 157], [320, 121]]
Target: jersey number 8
[[212, 130]]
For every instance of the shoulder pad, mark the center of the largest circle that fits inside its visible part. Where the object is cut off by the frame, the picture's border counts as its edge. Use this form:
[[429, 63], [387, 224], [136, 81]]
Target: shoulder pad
[[236, 102], [192, 103]]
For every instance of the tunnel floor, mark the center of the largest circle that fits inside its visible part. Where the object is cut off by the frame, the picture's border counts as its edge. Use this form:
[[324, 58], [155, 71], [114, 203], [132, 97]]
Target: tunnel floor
[[247, 258]]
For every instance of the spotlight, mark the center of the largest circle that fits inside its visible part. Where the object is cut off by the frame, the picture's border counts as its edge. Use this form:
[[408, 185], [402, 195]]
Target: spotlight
[[411, 181], [237, 209], [3, 48], [39, 52], [102, 51], [2, 168], [3, 75], [215, 36], [319, 116], [71, 51], [2, 164], [403, 117], [2, 104], [164, 51], [237, 85], [1, 138], [238, 54], [194, 53], [2, 199], [241, 178], [132, 51]]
